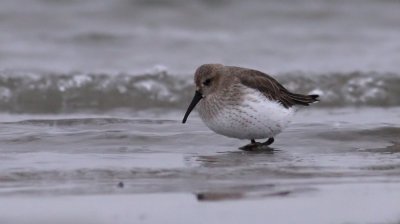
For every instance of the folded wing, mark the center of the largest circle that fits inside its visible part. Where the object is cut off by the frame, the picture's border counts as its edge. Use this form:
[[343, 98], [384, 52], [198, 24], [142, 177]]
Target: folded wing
[[273, 90]]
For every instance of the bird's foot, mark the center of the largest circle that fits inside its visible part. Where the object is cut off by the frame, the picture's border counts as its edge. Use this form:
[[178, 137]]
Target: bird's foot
[[253, 146], [269, 141]]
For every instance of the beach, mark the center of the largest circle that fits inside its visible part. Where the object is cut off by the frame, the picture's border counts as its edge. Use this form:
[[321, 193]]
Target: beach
[[328, 166], [92, 96]]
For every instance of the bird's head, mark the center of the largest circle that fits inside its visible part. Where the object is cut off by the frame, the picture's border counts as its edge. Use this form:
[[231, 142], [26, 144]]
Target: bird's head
[[207, 78]]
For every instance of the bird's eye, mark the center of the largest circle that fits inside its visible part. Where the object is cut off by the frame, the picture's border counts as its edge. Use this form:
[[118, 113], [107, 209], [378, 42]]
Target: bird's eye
[[207, 82]]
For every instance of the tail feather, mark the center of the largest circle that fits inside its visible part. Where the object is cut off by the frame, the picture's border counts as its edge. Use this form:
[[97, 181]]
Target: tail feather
[[304, 100]]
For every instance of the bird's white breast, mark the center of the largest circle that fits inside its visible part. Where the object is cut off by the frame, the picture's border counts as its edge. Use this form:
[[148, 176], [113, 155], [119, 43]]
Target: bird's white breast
[[254, 117]]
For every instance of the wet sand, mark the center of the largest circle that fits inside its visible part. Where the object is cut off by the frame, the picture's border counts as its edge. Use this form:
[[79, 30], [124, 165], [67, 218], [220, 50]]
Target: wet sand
[[329, 166], [339, 203]]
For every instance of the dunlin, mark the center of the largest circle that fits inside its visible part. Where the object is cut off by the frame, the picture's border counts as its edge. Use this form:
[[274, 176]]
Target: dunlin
[[244, 103]]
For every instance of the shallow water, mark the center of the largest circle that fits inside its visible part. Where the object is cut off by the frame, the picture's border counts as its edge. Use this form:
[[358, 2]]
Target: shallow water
[[156, 153], [343, 150]]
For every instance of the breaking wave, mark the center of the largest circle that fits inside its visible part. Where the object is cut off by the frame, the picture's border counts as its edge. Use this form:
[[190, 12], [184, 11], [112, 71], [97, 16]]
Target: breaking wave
[[24, 92]]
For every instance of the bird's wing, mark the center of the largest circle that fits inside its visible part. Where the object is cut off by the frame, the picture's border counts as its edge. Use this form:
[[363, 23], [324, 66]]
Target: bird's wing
[[272, 89]]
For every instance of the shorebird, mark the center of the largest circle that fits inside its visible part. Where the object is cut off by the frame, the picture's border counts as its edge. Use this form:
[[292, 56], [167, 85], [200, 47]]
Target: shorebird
[[244, 103]]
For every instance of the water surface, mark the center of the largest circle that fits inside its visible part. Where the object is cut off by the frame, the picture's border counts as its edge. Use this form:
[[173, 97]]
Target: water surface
[[325, 151]]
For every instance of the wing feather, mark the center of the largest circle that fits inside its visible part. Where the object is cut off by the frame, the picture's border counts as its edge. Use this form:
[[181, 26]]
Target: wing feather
[[272, 89]]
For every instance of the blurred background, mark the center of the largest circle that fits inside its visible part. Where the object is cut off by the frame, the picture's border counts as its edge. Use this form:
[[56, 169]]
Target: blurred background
[[138, 35], [70, 52]]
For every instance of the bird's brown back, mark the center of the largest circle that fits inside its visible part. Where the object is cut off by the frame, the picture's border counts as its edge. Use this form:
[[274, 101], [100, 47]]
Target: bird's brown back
[[270, 87]]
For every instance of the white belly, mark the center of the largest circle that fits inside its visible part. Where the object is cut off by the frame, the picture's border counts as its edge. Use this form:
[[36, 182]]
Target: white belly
[[255, 118]]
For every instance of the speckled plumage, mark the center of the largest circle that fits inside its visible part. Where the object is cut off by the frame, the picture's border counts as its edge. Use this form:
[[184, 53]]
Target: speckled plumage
[[252, 117], [243, 103]]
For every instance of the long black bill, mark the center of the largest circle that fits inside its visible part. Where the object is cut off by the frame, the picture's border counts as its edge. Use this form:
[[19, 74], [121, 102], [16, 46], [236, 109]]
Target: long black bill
[[197, 97]]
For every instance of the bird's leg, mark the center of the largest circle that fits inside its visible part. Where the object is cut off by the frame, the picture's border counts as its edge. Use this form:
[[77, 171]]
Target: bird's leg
[[257, 145], [269, 141], [252, 146]]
